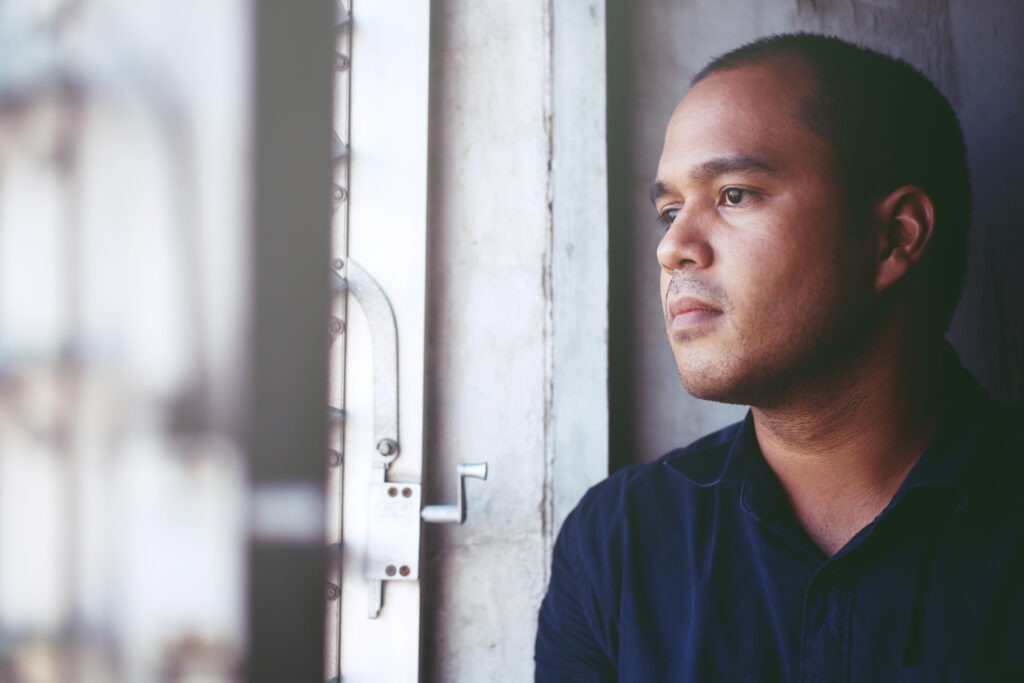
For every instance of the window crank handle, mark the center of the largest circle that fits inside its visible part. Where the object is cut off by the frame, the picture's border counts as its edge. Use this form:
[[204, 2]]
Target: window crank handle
[[455, 514]]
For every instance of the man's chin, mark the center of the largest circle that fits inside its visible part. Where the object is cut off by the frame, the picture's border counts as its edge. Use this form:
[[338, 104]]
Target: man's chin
[[715, 393], [706, 387], [712, 380]]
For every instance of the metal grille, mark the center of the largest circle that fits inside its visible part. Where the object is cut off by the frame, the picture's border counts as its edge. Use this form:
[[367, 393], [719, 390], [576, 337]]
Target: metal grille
[[337, 326]]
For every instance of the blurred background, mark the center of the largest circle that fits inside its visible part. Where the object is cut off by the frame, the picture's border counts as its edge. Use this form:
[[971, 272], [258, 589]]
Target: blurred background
[[124, 251], [190, 394]]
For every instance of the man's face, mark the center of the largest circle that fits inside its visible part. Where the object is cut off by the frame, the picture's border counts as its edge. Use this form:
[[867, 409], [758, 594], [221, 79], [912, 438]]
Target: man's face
[[763, 280]]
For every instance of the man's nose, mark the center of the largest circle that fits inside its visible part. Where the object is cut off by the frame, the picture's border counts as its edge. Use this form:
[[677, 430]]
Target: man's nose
[[685, 243]]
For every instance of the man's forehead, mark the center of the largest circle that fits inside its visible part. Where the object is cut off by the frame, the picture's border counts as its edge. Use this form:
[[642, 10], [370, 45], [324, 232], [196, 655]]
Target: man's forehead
[[748, 118], [779, 84], [789, 69]]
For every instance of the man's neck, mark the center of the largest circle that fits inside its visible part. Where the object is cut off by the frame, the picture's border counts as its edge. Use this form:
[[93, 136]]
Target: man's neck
[[842, 451]]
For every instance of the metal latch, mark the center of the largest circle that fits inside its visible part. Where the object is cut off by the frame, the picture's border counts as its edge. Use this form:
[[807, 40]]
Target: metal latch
[[395, 516], [395, 507]]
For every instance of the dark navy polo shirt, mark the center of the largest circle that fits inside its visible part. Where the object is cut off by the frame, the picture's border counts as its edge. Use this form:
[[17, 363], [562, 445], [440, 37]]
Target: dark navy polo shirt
[[694, 568]]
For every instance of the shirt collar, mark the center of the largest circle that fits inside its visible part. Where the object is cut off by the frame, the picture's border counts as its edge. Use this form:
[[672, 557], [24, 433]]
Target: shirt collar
[[716, 458], [732, 456], [963, 419]]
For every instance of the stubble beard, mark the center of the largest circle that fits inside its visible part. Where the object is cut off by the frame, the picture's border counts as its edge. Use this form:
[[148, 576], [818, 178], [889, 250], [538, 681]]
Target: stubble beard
[[719, 377], [764, 372], [709, 375]]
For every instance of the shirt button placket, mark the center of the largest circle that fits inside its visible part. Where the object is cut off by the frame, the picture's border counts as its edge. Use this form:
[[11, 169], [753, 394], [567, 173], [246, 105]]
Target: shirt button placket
[[824, 646]]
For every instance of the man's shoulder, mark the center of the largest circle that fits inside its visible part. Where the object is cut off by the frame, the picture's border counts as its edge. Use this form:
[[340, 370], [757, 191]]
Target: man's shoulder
[[999, 453], [658, 485]]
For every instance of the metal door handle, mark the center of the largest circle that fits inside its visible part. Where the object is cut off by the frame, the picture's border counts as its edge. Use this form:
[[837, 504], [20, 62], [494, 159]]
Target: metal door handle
[[455, 514]]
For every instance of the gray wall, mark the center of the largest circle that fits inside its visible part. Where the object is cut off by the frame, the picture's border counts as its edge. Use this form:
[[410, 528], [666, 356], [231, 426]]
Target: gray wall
[[517, 315], [972, 50]]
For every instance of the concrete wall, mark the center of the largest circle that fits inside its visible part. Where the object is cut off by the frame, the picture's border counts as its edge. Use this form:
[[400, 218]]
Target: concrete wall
[[517, 315], [972, 50], [487, 335]]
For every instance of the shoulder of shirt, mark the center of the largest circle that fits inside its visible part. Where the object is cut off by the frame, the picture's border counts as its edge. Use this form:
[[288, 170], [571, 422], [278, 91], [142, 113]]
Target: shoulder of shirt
[[1004, 437], [699, 464]]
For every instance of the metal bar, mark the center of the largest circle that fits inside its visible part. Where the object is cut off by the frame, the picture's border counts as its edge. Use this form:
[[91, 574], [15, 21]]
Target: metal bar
[[294, 47], [384, 336]]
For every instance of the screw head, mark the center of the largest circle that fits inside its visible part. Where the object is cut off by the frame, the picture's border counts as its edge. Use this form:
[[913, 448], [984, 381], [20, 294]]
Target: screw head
[[392, 491], [390, 570], [406, 492], [387, 447], [339, 193], [337, 326], [404, 570], [337, 264]]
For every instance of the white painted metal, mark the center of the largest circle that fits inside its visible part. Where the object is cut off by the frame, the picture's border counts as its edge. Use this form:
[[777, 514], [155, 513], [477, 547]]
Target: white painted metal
[[387, 236], [393, 551], [393, 537], [455, 513]]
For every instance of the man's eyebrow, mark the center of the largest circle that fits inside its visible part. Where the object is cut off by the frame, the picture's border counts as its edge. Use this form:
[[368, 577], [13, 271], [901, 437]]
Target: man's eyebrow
[[711, 168], [728, 164], [658, 188]]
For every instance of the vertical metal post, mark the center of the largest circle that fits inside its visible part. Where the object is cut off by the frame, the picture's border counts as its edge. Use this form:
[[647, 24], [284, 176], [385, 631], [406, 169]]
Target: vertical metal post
[[387, 235], [294, 49]]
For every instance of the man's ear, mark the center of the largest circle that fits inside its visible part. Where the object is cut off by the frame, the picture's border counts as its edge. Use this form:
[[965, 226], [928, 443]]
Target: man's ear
[[906, 223]]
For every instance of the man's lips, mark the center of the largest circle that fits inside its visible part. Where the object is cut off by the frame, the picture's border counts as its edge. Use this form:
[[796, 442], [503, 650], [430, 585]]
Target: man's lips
[[689, 312]]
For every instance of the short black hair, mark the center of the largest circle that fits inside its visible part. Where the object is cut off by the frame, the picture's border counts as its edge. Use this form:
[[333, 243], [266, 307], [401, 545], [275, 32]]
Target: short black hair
[[889, 126]]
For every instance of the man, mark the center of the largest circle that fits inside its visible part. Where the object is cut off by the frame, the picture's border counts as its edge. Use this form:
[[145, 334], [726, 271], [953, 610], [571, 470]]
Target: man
[[862, 523]]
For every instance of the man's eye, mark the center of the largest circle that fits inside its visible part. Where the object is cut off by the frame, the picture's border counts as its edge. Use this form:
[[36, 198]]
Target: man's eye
[[732, 196], [667, 217]]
